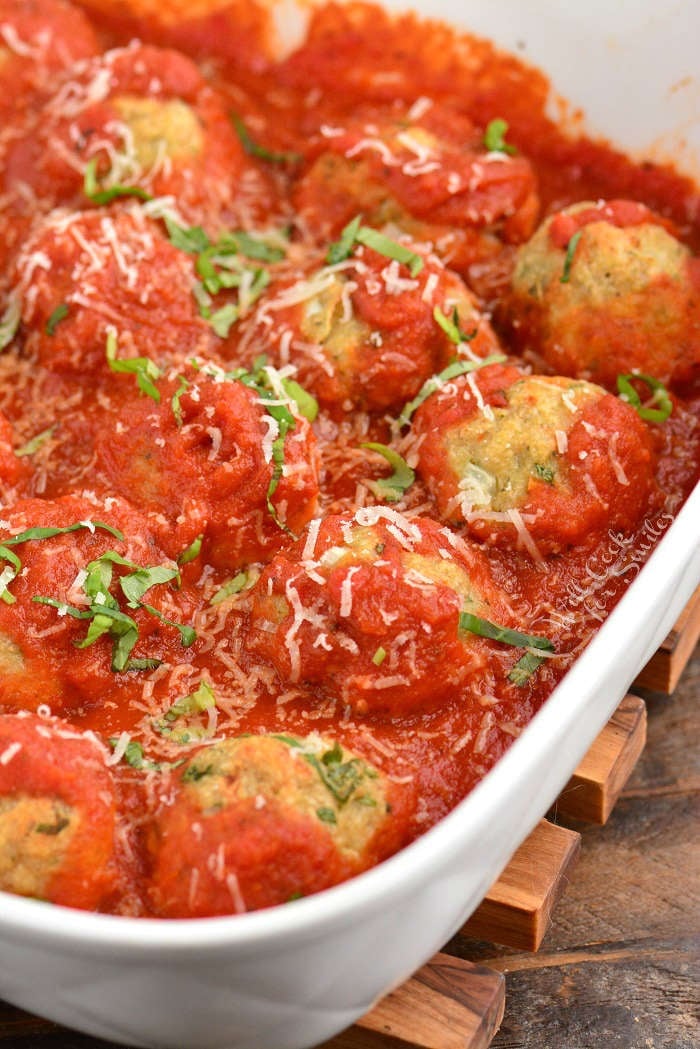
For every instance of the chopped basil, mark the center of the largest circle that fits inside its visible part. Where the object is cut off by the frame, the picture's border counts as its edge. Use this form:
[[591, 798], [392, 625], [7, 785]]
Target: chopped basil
[[188, 635], [134, 757], [175, 400], [394, 487], [234, 586], [105, 195], [59, 314], [306, 403], [451, 326], [254, 150], [145, 370], [9, 322], [223, 320], [135, 584], [52, 828], [523, 670], [326, 815], [190, 239], [341, 249], [14, 566], [495, 137], [35, 443], [436, 382], [193, 773], [569, 257], [379, 656], [469, 623], [196, 702], [544, 473], [659, 396], [192, 552], [355, 232], [340, 777]]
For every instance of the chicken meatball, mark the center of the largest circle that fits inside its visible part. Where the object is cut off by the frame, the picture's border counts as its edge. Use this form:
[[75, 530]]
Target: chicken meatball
[[536, 461], [140, 118], [431, 176], [57, 813], [256, 821], [605, 289], [81, 274], [232, 459], [366, 332], [62, 566], [368, 609]]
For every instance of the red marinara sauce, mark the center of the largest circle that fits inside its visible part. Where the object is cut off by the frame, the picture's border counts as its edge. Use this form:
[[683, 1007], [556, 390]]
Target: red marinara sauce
[[310, 495]]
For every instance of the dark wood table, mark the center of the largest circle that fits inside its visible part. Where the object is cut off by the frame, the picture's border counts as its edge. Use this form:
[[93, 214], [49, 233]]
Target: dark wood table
[[620, 966]]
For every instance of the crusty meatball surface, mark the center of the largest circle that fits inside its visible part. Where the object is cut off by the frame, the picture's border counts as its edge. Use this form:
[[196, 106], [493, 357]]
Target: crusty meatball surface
[[367, 608], [537, 461], [57, 813], [605, 289], [256, 821]]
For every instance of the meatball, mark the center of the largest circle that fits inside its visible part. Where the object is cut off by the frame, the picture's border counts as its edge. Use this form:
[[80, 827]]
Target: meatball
[[261, 820], [54, 586], [605, 289], [367, 608], [38, 40], [210, 458], [81, 274], [141, 117], [363, 333], [57, 813], [539, 461], [433, 177]]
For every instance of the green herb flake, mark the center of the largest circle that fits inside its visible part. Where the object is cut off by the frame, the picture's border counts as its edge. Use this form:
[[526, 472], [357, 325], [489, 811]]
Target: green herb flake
[[261, 152], [192, 240], [326, 815], [495, 137], [659, 396], [197, 702], [175, 400], [469, 623], [58, 315], [379, 656], [341, 249], [234, 586], [384, 245], [223, 319], [394, 487], [436, 382], [451, 326], [523, 670], [52, 828], [192, 552], [305, 403], [32, 446], [193, 773], [145, 370], [100, 195], [544, 473], [569, 257]]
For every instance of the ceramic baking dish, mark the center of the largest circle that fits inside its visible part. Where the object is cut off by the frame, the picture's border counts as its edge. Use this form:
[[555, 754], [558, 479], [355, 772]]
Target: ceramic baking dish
[[289, 978]]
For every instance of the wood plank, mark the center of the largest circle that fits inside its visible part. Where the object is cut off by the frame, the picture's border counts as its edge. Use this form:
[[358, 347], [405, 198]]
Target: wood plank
[[449, 1004], [601, 777], [663, 671], [517, 908]]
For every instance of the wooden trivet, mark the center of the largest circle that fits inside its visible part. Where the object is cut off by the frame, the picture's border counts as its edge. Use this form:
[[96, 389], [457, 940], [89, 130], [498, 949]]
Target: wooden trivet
[[662, 672], [448, 1004]]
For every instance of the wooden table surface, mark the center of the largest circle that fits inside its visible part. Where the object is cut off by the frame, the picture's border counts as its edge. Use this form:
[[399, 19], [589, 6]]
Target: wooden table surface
[[620, 966]]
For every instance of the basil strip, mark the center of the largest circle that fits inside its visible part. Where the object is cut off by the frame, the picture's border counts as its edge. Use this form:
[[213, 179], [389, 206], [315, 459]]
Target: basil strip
[[569, 257], [436, 382], [469, 623], [523, 670], [145, 370], [451, 326], [59, 314], [9, 322], [660, 396], [495, 137], [394, 487], [99, 195], [355, 232], [254, 150]]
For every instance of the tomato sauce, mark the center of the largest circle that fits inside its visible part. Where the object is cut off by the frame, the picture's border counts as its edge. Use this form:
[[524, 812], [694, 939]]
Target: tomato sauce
[[303, 518]]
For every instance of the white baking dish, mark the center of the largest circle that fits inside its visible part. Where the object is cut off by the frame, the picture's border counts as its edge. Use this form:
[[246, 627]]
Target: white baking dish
[[291, 977]]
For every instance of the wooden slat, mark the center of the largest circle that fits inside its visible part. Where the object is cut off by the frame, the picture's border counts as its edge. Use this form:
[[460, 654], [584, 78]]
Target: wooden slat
[[448, 1004], [663, 671], [597, 783], [518, 906]]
